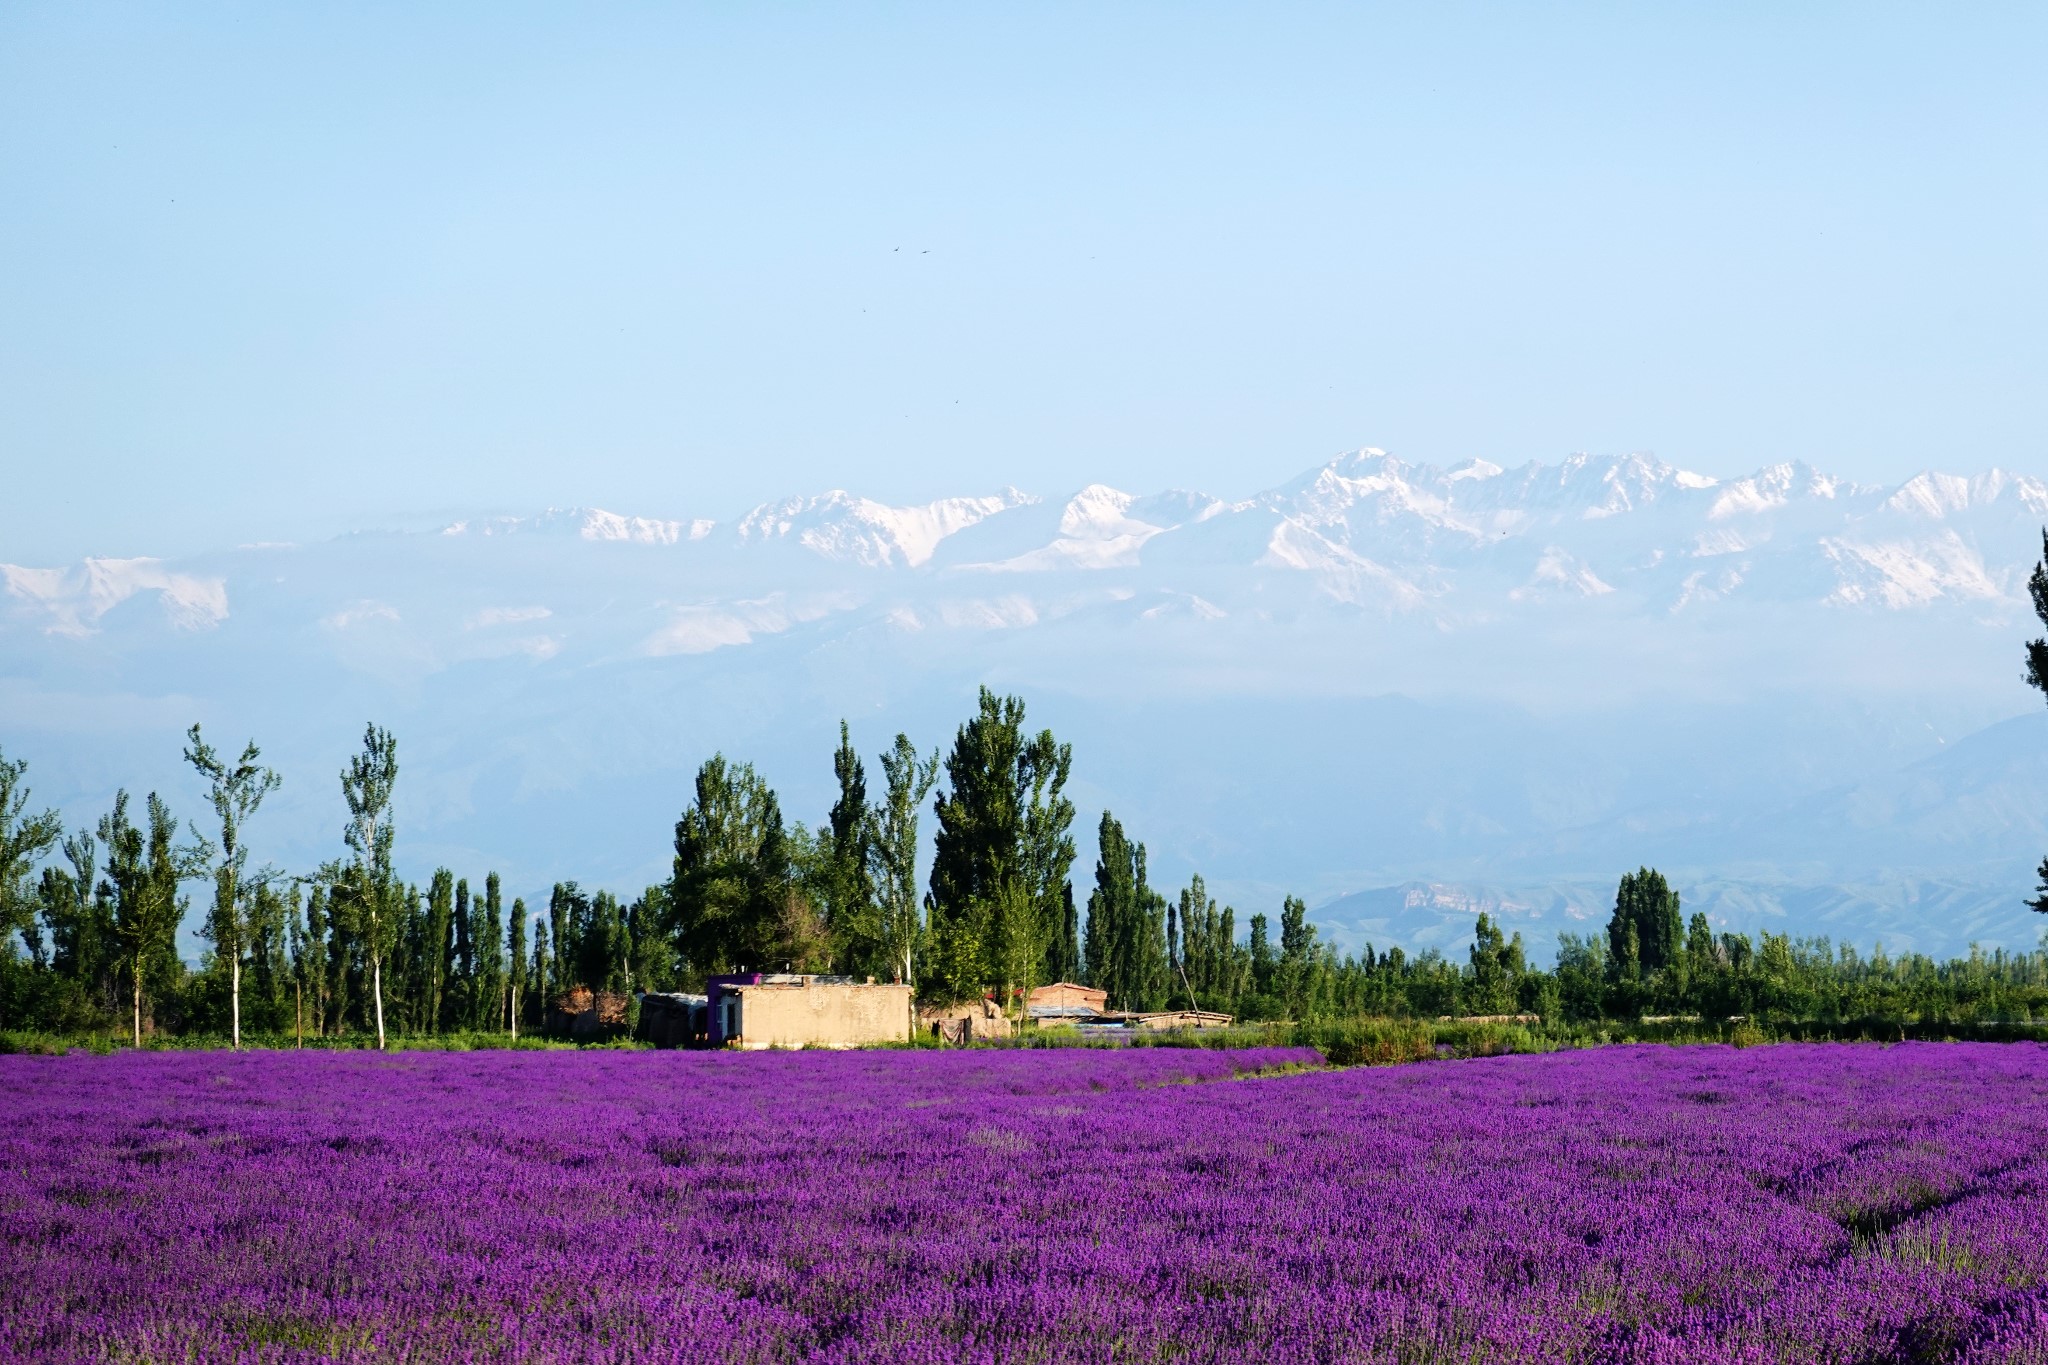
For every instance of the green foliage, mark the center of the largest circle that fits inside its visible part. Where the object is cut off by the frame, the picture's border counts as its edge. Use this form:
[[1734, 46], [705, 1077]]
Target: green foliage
[[24, 838], [351, 954], [892, 856], [1002, 856], [735, 898], [367, 897], [1126, 947], [844, 883], [2036, 677], [1213, 969]]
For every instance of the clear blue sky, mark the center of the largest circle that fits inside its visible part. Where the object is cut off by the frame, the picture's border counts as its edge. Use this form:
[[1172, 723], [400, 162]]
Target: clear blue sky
[[269, 270]]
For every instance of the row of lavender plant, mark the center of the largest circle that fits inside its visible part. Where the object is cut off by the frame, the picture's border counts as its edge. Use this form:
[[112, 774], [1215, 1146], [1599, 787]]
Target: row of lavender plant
[[1844, 1204]]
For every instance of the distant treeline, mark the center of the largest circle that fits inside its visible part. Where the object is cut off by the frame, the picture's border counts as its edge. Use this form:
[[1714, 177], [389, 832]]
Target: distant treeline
[[350, 949]]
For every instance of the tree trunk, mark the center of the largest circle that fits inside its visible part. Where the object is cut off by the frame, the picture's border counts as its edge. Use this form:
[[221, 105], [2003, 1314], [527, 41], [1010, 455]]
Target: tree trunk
[[138, 1004], [299, 999], [377, 994], [235, 996], [513, 1014]]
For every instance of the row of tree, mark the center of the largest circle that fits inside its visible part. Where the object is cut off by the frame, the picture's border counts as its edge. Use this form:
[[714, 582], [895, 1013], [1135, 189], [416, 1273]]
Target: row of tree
[[89, 935]]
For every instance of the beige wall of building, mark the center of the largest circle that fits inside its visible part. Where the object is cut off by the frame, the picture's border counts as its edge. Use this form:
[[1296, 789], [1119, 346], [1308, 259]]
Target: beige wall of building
[[1067, 994], [822, 1015]]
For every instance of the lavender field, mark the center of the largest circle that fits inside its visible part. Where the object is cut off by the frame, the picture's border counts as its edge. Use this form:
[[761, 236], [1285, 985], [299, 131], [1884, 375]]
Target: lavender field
[[1823, 1203]]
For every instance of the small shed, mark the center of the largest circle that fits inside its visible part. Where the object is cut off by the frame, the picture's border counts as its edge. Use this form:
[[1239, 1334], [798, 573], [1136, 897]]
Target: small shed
[[1172, 1019], [580, 1012], [1062, 1016], [968, 1022], [799, 1009], [1065, 995], [672, 1018]]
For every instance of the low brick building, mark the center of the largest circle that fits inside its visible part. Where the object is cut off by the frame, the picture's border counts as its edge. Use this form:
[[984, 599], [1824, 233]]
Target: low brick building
[[1067, 995], [795, 1009], [971, 1021]]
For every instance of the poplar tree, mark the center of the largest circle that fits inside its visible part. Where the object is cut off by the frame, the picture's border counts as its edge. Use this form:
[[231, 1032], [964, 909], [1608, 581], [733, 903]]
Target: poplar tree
[[730, 893], [1063, 961], [1497, 967], [489, 989], [144, 871], [268, 962], [1003, 851], [1213, 969], [976, 845], [366, 785], [1047, 858], [1125, 940], [561, 905], [235, 790], [2037, 678], [79, 920], [539, 973], [461, 987], [299, 939], [1646, 907], [23, 839], [1297, 956], [851, 913], [1261, 952], [515, 958], [601, 950], [439, 927], [892, 852]]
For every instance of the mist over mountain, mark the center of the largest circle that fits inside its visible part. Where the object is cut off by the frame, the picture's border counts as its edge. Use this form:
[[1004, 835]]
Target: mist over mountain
[[1405, 692]]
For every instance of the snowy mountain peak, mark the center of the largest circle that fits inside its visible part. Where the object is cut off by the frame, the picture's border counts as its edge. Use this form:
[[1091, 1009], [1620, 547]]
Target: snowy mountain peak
[[839, 526], [72, 601], [586, 523], [1939, 496]]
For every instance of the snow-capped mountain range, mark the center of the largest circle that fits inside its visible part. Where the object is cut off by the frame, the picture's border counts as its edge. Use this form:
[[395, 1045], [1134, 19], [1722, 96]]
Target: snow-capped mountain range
[[1515, 677]]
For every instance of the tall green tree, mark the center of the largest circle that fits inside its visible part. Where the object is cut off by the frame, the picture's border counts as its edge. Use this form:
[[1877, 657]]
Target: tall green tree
[[433, 962], [1295, 975], [1497, 967], [1216, 971], [369, 888], [316, 963], [892, 854], [24, 839], [1003, 852], [568, 928], [269, 966], [235, 788], [975, 850], [79, 919], [462, 957], [565, 902], [488, 1010], [730, 890], [650, 956], [601, 950], [515, 964], [1047, 860], [1647, 907], [1063, 962], [845, 880], [1125, 938], [2037, 678], [143, 873], [541, 973]]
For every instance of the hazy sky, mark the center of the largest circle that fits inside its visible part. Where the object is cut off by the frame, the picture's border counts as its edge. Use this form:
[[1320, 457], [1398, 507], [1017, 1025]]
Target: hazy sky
[[269, 270]]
